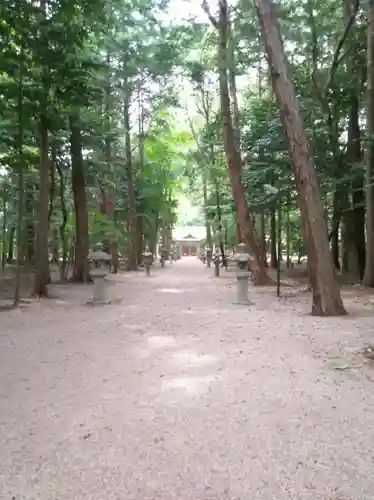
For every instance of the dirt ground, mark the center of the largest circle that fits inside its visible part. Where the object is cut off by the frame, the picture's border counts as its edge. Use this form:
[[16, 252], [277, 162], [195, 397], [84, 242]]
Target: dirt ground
[[172, 392]]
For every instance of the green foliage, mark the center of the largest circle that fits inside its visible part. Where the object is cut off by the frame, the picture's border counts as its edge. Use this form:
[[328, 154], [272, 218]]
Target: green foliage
[[84, 60]]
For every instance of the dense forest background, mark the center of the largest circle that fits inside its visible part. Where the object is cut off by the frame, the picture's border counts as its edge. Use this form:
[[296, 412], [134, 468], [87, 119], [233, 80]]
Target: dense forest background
[[113, 114]]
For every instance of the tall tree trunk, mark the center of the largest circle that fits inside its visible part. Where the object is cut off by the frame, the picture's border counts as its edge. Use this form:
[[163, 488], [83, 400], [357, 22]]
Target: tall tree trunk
[[326, 294], [21, 179], [261, 154], [4, 231], [42, 262], [62, 228], [139, 243], [140, 219], [52, 187], [132, 258], [233, 157], [52, 192], [273, 239], [356, 219], [10, 255], [354, 216], [335, 224], [206, 113], [263, 237], [231, 67], [239, 234], [109, 199], [369, 263], [81, 266], [288, 232], [42, 277], [358, 193], [29, 238], [219, 220], [208, 231]]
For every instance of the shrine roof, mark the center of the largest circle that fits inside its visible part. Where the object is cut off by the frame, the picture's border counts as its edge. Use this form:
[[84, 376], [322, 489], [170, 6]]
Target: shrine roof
[[189, 233]]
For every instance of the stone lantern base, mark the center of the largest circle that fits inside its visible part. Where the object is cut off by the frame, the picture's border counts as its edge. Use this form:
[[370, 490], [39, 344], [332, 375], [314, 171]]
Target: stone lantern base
[[242, 292], [99, 295]]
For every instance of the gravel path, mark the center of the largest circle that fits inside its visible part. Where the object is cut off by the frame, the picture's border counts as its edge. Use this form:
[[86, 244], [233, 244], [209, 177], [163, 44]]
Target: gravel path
[[176, 394]]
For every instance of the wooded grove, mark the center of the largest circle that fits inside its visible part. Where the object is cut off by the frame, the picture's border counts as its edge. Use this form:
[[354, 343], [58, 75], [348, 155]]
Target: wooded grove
[[260, 113]]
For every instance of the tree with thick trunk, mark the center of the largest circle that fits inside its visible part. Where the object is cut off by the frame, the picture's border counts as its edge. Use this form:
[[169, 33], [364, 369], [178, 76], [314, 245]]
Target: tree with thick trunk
[[354, 217], [232, 152], [208, 230], [108, 195], [42, 262], [369, 263], [132, 258], [81, 266], [42, 276], [273, 238], [326, 294]]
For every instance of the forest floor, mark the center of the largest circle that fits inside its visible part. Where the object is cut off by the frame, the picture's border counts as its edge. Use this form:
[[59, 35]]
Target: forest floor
[[172, 392]]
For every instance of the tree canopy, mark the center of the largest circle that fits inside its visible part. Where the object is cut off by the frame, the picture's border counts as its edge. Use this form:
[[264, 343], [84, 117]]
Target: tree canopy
[[112, 113]]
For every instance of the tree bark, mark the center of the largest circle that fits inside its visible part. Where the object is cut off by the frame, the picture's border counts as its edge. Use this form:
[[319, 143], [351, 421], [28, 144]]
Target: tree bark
[[42, 277], [273, 239], [354, 217], [263, 238], [356, 220], [64, 214], [21, 181], [231, 67], [369, 262], [233, 157], [132, 258], [219, 221], [10, 255], [288, 232], [4, 232], [81, 270], [109, 199], [335, 224], [326, 294], [208, 231], [29, 226]]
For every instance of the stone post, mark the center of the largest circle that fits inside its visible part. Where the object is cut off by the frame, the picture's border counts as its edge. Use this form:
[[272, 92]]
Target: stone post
[[147, 260], [162, 260], [100, 260], [209, 256], [242, 275], [203, 257], [217, 262], [164, 255]]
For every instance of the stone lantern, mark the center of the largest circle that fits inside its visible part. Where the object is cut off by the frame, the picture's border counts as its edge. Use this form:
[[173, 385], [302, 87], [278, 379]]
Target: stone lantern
[[174, 256], [242, 275], [209, 256], [203, 257], [164, 254], [100, 260], [147, 260], [161, 256], [217, 261]]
